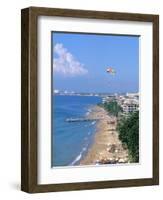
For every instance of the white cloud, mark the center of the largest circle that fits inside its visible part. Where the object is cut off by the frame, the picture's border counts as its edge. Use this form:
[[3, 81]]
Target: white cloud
[[65, 63]]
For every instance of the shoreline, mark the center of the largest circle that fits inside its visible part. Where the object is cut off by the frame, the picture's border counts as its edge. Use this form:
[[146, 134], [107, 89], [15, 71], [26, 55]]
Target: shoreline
[[106, 147]]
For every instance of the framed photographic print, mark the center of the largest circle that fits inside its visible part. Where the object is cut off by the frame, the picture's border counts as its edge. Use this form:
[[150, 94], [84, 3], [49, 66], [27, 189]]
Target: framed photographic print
[[90, 99]]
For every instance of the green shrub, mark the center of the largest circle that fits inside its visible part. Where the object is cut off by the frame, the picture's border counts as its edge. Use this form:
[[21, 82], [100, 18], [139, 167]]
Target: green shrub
[[128, 129], [112, 107]]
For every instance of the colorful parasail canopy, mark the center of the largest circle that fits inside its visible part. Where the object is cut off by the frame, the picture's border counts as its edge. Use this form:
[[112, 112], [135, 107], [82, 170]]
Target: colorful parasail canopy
[[111, 71]]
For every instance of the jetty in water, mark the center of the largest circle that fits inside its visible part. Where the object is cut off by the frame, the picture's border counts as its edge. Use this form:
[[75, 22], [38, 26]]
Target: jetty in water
[[81, 119]]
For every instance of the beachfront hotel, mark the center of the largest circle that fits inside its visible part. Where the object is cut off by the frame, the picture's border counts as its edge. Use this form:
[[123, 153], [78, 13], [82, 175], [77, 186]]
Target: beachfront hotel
[[130, 105], [129, 102]]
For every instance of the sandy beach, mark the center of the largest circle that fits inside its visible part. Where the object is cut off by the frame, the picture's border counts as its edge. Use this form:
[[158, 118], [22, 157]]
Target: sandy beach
[[106, 147]]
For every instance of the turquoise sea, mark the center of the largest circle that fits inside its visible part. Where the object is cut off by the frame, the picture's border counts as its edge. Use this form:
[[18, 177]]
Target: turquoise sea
[[71, 140]]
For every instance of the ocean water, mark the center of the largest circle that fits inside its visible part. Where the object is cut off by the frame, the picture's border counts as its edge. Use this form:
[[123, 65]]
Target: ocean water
[[71, 140]]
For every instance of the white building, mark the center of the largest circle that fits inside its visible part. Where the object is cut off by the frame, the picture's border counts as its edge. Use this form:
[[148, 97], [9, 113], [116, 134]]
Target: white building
[[130, 105], [132, 95], [56, 91]]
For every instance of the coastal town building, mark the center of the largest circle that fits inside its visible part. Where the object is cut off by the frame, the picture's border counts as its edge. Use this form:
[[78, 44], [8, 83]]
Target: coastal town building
[[130, 105], [129, 102]]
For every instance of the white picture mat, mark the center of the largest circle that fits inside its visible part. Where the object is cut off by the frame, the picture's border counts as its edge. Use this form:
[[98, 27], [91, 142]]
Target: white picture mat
[[48, 175]]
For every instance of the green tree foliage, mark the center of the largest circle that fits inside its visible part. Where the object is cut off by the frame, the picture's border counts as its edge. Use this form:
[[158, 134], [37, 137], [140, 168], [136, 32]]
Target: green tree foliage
[[128, 129], [112, 107]]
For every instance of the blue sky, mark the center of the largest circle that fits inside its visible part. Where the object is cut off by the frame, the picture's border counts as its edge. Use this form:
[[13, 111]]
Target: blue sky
[[80, 62]]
